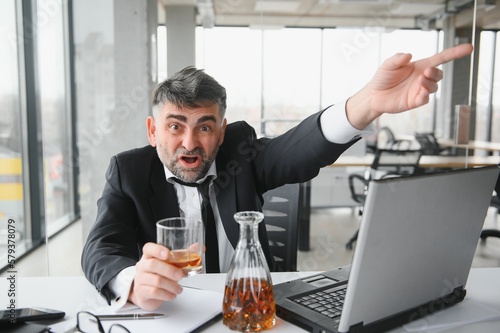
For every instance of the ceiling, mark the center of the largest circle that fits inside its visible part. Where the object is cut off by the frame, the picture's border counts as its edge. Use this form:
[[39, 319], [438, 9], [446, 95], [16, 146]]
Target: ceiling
[[426, 14]]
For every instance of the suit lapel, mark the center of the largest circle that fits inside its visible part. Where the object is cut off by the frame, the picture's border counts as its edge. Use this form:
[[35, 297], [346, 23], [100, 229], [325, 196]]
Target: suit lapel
[[163, 201]]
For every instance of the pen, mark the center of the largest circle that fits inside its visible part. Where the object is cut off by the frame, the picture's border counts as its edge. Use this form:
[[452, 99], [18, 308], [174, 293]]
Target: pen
[[131, 316]]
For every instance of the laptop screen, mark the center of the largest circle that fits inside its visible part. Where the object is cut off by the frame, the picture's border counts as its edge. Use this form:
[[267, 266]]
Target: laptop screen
[[416, 242]]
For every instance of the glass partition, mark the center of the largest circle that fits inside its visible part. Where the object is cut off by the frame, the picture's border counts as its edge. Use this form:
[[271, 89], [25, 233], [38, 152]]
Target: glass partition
[[486, 76], [488, 90], [495, 112]]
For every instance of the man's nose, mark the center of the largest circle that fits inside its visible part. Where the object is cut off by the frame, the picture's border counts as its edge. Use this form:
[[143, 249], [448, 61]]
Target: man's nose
[[190, 140]]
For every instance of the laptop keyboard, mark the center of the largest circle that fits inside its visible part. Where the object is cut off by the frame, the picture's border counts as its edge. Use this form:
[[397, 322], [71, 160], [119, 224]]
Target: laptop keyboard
[[328, 302]]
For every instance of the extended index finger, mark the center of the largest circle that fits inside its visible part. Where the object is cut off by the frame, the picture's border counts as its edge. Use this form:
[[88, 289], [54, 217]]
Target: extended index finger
[[450, 54]]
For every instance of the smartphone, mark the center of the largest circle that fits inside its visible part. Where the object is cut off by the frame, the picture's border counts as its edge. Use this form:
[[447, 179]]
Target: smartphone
[[11, 316]]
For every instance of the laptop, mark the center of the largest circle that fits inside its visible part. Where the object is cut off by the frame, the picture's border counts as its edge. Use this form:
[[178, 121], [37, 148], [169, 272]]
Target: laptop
[[415, 247]]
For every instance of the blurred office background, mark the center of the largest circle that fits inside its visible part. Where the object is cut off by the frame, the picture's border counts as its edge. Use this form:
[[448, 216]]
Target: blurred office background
[[77, 77]]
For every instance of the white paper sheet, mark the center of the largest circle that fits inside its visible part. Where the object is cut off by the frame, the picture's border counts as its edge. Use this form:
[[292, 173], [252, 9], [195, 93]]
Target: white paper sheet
[[189, 310]]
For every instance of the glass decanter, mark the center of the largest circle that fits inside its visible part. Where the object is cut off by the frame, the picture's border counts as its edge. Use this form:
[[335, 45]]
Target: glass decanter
[[248, 304]]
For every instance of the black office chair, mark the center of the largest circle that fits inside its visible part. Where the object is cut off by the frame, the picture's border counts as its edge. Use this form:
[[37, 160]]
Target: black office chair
[[495, 202], [387, 163], [430, 145], [387, 140], [281, 213]]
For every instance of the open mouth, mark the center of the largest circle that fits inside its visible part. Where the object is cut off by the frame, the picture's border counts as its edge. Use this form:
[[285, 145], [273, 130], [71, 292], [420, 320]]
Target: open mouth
[[190, 160]]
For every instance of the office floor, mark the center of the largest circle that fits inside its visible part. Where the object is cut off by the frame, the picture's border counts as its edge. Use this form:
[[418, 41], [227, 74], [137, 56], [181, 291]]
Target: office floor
[[330, 230]]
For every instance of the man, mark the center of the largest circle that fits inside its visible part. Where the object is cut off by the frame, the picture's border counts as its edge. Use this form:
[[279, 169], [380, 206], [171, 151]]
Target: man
[[191, 142]]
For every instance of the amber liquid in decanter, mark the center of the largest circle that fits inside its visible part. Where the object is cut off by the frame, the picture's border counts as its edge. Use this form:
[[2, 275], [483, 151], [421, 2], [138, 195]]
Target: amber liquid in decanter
[[248, 304]]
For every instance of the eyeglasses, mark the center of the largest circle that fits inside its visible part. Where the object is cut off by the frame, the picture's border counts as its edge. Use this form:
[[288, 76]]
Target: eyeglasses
[[87, 322]]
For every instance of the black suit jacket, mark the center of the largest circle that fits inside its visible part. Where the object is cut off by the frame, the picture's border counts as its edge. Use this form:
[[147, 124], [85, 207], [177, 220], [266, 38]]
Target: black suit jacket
[[136, 193]]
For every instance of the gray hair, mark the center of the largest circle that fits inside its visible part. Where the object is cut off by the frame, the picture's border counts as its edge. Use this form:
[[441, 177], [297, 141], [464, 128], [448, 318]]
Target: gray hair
[[190, 88]]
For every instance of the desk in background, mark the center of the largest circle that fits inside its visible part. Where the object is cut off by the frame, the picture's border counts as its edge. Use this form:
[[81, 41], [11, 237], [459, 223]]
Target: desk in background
[[72, 294], [426, 161], [493, 147]]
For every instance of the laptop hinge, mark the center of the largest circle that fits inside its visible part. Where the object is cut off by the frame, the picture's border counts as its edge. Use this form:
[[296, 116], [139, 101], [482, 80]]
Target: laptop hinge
[[356, 327]]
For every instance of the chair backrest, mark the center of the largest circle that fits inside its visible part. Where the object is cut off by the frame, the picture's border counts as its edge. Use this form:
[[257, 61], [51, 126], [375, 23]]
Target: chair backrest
[[400, 162], [281, 215], [385, 137], [387, 140], [428, 143]]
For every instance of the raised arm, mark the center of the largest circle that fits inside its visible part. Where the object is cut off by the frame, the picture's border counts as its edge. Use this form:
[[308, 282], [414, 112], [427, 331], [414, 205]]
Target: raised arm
[[399, 85]]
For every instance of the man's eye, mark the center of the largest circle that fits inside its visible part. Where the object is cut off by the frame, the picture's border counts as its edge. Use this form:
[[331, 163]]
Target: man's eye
[[174, 127], [205, 128]]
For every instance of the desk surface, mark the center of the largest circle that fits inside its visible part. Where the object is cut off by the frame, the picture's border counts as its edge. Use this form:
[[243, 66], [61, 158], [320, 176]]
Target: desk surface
[[73, 294], [472, 144], [426, 161]]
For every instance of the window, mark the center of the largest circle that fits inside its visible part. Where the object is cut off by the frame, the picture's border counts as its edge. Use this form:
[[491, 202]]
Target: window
[[420, 44], [275, 78], [56, 114], [262, 70], [233, 57], [37, 190], [291, 71], [12, 190], [350, 58]]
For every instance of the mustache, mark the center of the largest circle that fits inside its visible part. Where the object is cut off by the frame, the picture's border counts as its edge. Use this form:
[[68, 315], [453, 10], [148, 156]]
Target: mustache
[[195, 151]]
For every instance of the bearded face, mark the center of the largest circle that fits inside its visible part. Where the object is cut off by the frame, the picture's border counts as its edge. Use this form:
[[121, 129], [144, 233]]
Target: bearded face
[[187, 139]]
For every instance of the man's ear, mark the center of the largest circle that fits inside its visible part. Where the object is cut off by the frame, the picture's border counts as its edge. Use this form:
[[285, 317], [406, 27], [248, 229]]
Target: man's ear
[[151, 128], [223, 131]]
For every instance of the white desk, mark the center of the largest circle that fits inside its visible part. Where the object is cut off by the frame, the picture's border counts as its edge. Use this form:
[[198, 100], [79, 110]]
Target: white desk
[[73, 294], [473, 144], [426, 161]]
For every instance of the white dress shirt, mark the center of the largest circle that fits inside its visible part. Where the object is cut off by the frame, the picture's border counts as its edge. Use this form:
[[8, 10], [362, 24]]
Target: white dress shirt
[[336, 129]]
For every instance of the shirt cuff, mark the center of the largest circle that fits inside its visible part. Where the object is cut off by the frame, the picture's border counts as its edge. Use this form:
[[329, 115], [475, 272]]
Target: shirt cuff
[[336, 127], [120, 285]]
